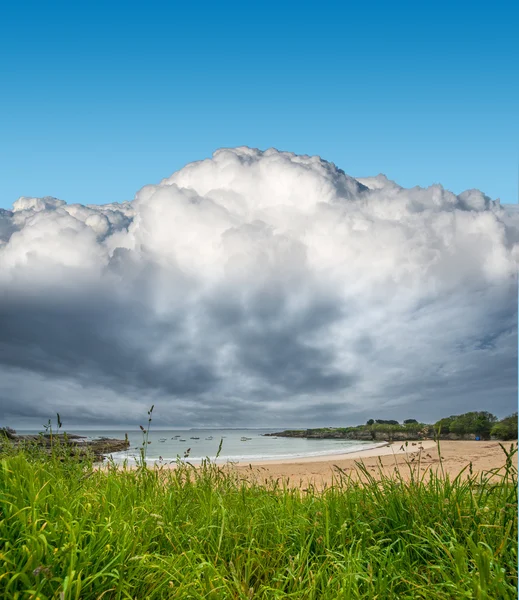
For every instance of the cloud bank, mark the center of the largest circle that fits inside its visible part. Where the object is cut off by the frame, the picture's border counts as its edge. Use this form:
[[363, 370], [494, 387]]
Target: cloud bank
[[259, 288]]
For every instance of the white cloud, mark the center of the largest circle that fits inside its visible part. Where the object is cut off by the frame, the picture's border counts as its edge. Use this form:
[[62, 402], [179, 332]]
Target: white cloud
[[259, 286]]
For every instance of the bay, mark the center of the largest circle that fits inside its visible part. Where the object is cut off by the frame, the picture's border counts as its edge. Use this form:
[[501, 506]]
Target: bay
[[237, 445]]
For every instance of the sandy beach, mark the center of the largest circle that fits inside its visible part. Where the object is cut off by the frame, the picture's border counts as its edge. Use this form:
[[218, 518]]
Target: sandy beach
[[416, 456]]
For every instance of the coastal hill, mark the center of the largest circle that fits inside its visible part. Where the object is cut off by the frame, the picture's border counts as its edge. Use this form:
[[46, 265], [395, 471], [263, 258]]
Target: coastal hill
[[468, 426]]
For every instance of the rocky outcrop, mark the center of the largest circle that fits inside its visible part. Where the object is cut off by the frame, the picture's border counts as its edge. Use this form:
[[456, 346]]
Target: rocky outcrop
[[458, 436], [365, 435], [76, 444]]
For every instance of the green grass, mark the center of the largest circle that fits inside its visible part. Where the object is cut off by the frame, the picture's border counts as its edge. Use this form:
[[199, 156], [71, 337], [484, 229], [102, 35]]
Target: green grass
[[68, 531]]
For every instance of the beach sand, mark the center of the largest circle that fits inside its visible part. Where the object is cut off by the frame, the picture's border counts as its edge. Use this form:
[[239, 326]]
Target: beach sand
[[419, 457]]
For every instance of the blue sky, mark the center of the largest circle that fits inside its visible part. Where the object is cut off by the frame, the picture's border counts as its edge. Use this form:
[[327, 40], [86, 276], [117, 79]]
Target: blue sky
[[99, 99]]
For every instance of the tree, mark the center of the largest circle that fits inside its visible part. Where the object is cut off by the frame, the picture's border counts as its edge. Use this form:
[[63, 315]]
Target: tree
[[444, 425], [506, 429], [483, 422], [458, 425], [477, 422], [370, 422], [408, 421]]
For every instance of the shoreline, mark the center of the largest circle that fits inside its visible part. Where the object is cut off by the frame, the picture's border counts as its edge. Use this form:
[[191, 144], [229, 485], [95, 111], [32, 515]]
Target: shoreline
[[393, 459], [412, 462], [383, 449]]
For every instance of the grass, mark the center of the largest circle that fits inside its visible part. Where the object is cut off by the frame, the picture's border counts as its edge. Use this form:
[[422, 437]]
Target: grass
[[69, 531]]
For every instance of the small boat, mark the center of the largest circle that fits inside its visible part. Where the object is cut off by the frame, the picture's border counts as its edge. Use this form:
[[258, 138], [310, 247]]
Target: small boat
[[245, 439], [182, 440], [162, 440], [194, 438], [209, 438]]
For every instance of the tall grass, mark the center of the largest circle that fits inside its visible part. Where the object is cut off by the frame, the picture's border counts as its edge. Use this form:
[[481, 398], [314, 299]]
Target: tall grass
[[69, 531]]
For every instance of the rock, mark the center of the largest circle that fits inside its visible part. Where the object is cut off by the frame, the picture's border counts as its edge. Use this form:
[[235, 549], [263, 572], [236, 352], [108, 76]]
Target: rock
[[350, 433], [77, 444], [8, 433]]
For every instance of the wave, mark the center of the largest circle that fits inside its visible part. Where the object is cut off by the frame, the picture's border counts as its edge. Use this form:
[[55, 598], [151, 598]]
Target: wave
[[120, 457]]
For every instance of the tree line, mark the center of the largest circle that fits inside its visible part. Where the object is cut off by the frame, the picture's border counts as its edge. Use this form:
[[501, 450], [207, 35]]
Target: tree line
[[480, 423]]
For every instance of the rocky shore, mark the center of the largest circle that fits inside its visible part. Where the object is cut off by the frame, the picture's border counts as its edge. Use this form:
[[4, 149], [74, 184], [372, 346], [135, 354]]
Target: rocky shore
[[366, 435], [79, 445], [363, 435]]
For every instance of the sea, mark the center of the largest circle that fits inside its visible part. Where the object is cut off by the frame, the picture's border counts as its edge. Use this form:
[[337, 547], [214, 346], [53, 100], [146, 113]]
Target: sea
[[219, 445]]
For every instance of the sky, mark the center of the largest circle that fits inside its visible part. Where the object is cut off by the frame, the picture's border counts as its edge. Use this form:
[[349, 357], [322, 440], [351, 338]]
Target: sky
[[283, 216], [99, 99]]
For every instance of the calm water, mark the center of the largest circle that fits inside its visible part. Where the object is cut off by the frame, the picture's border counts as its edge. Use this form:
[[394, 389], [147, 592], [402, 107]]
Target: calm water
[[170, 444]]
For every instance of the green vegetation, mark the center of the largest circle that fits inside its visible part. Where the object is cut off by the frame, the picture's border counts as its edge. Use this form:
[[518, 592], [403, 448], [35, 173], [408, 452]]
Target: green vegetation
[[389, 429], [480, 424], [412, 428], [483, 424], [68, 531], [506, 429], [477, 423]]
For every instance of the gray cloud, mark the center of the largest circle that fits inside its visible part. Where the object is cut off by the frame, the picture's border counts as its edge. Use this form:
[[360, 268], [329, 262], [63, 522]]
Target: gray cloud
[[259, 288]]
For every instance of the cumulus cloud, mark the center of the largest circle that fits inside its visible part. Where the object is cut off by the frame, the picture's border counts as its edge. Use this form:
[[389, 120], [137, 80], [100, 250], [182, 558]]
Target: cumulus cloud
[[259, 288]]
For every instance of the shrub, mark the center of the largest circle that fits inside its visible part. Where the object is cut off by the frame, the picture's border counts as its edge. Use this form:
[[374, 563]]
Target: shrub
[[506, 429], [479, 423]]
